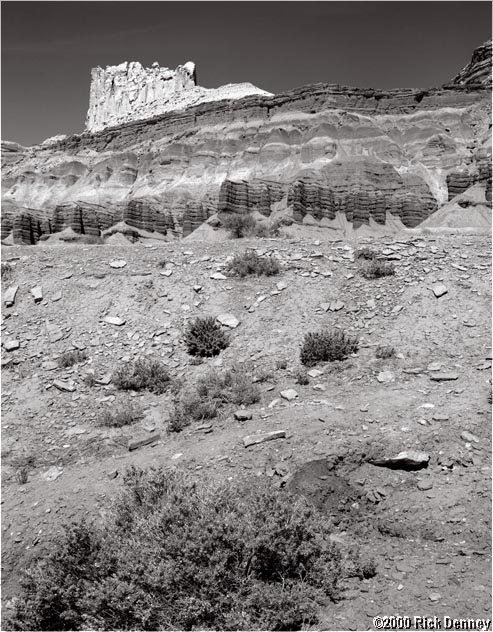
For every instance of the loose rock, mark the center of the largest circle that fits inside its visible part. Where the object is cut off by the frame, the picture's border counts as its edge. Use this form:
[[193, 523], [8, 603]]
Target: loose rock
[[262, 438]]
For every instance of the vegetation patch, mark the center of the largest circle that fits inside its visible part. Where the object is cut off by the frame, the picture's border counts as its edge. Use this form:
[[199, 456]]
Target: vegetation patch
[[250, 263], [365, 253], [142, 375], [384, 352], [7, 272], [177, 554], [327, 346], [239, 225], [69, 358], [301, 377], [127, 415], [204, 337], [376, 269]]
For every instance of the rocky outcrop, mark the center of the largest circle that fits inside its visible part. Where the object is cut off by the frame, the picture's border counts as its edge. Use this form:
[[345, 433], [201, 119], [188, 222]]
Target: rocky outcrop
[[315, 152], [130, 92], [478, 70]]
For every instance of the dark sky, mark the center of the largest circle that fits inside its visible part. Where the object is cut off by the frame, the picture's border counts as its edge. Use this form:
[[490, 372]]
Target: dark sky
[[49, 48]]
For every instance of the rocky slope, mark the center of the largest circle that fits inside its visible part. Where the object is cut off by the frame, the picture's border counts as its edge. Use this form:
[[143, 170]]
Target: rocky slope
[[313, 153]]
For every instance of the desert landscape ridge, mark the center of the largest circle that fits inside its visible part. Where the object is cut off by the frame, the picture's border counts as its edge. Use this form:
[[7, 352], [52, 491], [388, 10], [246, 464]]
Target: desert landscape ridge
[[246, 358]]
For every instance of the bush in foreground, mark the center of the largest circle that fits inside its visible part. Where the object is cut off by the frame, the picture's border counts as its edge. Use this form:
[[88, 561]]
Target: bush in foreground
[[327, 346], [176, 554], [239, 225], [147, 374], [204, 337], [377, 269], [69, 358], [250, 263]]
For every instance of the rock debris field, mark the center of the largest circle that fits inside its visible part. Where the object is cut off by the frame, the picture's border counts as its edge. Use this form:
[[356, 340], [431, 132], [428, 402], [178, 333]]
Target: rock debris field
[[396, 450]]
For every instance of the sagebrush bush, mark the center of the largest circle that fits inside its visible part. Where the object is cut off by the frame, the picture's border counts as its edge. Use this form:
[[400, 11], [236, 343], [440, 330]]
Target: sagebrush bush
[[176, 554], [69, 358], [281, 365], [270, 229], [251, 263], [7, 272], [239, 225], [384, 352], [204, 337], [126, 415], [365, 253], [376, 269], [327, 346], [143, 374], [301, 377]]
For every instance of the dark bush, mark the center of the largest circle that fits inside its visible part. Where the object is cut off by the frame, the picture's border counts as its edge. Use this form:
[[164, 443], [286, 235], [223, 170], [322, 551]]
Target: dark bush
[[147, 374], [239, 225], [250, 263], [127, 415], [377, 269], [383, 352], [281, 365], [69, 358], [175, 554], [327, 346], [301, 377], [365, 253], [204, 337], [7, 272]]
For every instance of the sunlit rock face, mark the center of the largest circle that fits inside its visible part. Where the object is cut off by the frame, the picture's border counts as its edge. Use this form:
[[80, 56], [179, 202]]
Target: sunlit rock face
[[478, 70], [314, 152]]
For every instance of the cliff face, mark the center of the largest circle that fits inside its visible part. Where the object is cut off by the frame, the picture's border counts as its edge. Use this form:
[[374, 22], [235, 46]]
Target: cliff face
[[478, 70], [311, 152]]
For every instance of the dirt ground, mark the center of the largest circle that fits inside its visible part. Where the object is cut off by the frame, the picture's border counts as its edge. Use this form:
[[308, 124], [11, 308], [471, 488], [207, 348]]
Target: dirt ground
[[429, 530]]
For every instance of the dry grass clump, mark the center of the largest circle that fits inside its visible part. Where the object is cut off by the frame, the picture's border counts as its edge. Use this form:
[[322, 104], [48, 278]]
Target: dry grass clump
[[205, 338], [250, 263], [377, 269], [281, 365], [7, 272], [365, 253], [143, 374], [384, 352], [126, 415], [301, 377], [327, 346], [69, 358]]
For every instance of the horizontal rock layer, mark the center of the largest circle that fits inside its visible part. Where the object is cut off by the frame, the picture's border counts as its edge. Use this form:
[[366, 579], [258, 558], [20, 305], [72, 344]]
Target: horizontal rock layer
[[478, 70]]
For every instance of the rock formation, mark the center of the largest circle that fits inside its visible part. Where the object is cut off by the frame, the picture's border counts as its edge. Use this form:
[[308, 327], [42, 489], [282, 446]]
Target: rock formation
[[129, 92], [478, 70], [313, 153]]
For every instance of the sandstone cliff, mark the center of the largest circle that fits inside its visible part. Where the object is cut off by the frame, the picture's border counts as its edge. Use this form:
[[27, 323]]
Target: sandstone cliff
[[314, 152]]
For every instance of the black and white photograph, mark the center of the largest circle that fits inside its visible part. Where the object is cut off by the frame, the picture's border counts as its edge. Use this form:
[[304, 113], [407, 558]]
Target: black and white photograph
[[246, 343]]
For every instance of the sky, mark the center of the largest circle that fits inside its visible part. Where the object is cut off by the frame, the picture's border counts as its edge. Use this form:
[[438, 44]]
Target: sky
[[49, 48]]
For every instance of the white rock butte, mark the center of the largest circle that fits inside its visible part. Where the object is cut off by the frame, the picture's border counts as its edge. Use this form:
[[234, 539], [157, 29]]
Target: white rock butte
[[130, 92]]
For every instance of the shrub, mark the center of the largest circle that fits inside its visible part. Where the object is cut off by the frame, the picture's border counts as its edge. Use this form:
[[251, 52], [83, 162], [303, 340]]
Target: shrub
[[249, 263], [377, 269], [125, 416], [365, 253], [264, 229], [383, 352], [301, 377], [22, 475], [327, 346], [147, 374], [239, 225], [281, 365], [177, 554], [91, 240], [7, 272], [204, 337], [69, 358], [90, 380]]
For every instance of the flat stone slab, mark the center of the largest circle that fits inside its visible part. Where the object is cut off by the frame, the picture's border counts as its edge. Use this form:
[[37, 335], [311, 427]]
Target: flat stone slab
[[9, 295], [217, 276], [228, 320], [118, 263], [262, 438], [444, 377], [68, 386], [407, 460], [11, 345], [114, 320], [289, 394], [37, 293], [336, 306], [439, 289], [52, 474], [469, 437], [134, 444], [242, 415], [385, 377], [54, 332]]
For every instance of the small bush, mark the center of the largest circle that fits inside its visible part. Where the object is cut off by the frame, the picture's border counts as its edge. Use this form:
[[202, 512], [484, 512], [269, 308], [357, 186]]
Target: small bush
[[377, 269], [327, 346], [7, 272], [204, 337], [90, 380], [265, 230], [129, 414], [281, 365], [147, 374], [191, 407], [69, 358], [383, 352], [365, 253], [22, 475], [250, 263], [176, 554], [239, 225], [301, 377]]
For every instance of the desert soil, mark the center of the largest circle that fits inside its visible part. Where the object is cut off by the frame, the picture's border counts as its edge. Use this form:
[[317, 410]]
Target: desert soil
[[429, 530]]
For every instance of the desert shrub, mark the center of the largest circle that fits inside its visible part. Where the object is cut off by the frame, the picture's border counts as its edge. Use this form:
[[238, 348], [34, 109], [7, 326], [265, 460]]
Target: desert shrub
[[91, 240], [69, 358], [127, 415], [90, 380], [7, 272], [327, 346], [162, 263], [239, 225], [281, 365], [250, 263], [179, 554], [301, 377], [191, 407], [384, 352], [377, 269], [268, 229], [22, 475], [365, 253], [263, 374], [143, 374], [204, 337]]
